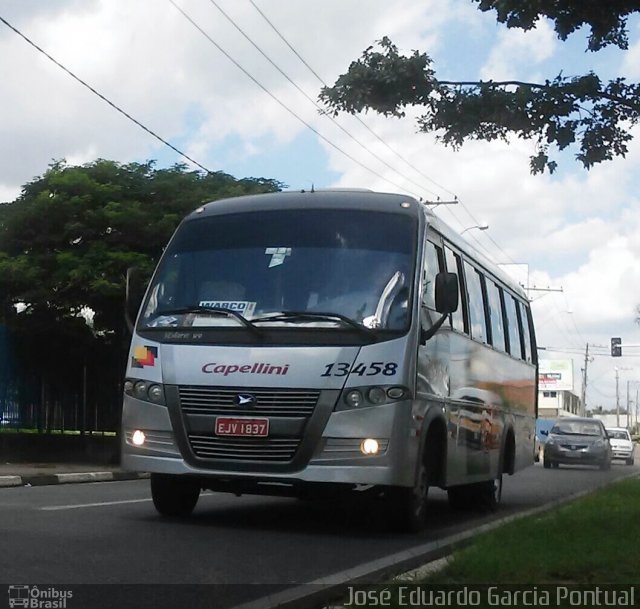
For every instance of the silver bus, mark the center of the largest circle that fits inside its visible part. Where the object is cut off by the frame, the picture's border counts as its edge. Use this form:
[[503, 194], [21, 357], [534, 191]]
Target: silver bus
[[327, 341]]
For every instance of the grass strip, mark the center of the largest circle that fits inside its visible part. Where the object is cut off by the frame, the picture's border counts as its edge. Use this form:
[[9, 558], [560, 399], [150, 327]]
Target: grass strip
[[588, 541], [562, 558]]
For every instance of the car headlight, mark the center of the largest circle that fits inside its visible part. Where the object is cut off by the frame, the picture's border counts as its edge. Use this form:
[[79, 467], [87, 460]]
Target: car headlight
[[599, 444]]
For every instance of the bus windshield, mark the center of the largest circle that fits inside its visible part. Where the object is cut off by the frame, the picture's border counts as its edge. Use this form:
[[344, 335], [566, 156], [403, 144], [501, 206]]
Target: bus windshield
[[286, 267]]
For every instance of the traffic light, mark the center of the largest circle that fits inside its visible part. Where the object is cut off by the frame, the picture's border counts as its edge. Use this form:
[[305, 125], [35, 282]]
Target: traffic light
[[616, 347]]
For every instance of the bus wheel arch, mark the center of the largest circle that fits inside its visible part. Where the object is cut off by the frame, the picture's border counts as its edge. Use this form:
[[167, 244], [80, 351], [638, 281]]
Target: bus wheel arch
[[410, 503]]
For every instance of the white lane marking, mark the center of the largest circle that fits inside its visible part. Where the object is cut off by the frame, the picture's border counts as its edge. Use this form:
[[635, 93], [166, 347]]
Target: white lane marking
[[53, 508], [75, 506]]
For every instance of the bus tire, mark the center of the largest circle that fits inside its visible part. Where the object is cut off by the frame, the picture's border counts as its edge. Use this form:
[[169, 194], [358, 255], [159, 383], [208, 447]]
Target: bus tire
[[174, 495], [458, 497], [409, 504], [490, 494], [481, 496]]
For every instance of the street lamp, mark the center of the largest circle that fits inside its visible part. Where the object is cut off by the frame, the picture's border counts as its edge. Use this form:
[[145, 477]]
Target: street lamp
[[483, 226]]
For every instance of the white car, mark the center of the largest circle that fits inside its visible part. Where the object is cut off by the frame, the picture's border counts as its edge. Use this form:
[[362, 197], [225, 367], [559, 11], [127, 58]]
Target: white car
[[621, 444]]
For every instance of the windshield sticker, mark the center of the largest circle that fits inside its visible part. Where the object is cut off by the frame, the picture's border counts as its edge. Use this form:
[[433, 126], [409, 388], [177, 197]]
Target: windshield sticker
[[278, 255], [244, 307], [257, 368], [144, 356]]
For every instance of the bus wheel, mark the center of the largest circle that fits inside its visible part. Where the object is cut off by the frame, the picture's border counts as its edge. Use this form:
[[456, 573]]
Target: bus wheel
[[174, 495], [410, 504], [458, 497], [482, 496], [491, 494]]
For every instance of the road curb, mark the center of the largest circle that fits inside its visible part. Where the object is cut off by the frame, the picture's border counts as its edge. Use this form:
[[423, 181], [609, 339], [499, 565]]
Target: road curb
[[69, 478], [10, 481]]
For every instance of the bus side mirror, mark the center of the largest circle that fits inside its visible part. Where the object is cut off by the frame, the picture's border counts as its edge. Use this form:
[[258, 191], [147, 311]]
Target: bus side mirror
[[135, 288], [447, 294]]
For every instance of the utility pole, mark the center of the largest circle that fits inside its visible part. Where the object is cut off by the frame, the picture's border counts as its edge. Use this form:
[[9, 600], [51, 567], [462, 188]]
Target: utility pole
[[617, 399], [584, 380], [628, 405]]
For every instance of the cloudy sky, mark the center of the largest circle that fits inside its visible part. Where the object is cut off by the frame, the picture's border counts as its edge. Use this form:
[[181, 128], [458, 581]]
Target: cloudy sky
[[200, 80]]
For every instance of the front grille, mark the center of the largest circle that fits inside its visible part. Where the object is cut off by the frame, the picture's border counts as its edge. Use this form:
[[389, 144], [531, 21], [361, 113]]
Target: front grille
[[269, 402], [245, 449]]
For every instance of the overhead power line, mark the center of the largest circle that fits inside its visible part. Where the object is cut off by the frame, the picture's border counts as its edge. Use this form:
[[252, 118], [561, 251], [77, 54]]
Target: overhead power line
[[315, 104], [321, 80], [103, 97], [279, 101]]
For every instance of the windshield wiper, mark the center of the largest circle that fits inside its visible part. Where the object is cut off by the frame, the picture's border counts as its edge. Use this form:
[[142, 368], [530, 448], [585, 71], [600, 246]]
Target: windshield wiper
[[315, 316], [213, 311]]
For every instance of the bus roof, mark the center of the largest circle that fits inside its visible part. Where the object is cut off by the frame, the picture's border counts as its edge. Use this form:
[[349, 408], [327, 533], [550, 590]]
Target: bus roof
[[311, 199]]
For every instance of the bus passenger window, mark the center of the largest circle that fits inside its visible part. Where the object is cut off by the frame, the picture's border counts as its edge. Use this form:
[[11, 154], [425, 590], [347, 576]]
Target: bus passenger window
[[476, 303], [526, 335], [515, 342], [454, 265], [495, 316], [432, 266]]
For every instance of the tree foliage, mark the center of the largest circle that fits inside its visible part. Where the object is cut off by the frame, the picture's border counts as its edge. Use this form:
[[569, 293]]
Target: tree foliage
[[67, 241], [607, 20], [584, 112], [65, 246]]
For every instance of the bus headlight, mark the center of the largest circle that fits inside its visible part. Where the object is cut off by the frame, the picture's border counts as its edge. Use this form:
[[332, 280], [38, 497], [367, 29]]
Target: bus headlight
[[353, 399], [369, 447], [144, 390], [138, 438], [376, 395], [397, 393], [156, 394], [140, 390]]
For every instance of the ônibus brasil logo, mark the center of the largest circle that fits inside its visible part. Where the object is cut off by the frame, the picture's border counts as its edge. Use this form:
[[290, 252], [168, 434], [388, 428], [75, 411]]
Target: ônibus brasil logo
[[38, 597]]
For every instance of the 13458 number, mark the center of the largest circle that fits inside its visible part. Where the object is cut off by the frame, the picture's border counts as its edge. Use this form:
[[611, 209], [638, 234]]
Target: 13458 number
[[344, 368]]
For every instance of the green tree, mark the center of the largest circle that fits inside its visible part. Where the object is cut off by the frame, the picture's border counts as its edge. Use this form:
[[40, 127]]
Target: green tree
[[584, 112], [65, 246], [66, 242]]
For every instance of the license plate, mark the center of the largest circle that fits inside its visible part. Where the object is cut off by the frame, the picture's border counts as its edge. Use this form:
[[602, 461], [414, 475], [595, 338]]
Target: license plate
[[229, 426]]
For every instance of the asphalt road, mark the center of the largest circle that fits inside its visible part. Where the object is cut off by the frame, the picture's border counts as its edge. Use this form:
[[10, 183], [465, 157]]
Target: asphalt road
[[109, 533]]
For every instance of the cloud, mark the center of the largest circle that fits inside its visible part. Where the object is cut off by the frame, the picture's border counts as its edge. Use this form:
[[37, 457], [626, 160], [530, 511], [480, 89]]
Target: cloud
[[516, 49]]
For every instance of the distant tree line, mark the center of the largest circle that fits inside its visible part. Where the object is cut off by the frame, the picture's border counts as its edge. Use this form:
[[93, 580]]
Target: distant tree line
[[65, 245]]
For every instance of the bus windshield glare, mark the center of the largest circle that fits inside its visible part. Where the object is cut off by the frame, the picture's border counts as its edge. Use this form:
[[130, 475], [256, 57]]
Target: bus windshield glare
[[354, 264]]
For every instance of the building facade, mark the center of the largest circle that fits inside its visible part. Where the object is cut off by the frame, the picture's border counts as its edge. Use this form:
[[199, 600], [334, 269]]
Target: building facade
[[557, 396]]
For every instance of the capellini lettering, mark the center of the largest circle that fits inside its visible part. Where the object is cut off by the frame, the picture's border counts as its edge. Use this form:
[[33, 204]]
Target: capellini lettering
[[257, 368]]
